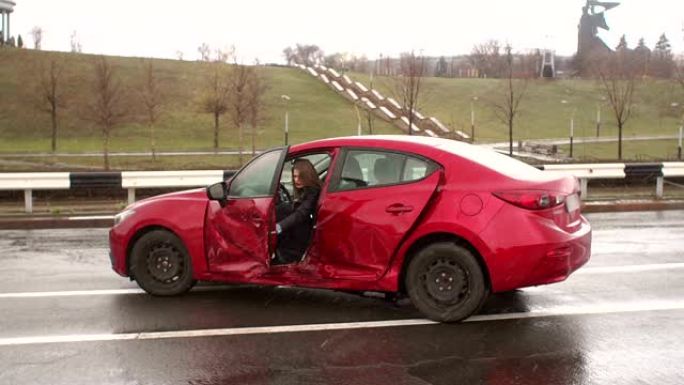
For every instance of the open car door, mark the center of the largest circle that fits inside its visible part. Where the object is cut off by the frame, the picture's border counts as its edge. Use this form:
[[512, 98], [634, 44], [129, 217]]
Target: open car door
[[238, 230]]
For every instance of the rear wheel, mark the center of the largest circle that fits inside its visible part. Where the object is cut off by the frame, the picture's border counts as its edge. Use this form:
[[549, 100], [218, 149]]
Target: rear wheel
[[445, 282], [161, 265]]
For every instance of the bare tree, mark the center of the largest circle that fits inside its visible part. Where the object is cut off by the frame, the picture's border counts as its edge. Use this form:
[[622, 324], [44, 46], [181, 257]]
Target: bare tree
[[179, 55], [507, 106], [256, 90], [204, 51], [75, 43], [289, 55], [617, 76], [238, 101], [215, 99], [52, 97], [37, 34], [152, 99], [304, 54], [107, 108], [407, 85], [224, 55], [486, 58]]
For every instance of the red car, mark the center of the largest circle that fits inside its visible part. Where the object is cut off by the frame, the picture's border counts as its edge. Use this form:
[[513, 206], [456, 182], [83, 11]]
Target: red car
[[447, 224]]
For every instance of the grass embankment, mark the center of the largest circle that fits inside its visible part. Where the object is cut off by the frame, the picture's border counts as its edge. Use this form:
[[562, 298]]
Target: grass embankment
[[547, 108], [315, 111]]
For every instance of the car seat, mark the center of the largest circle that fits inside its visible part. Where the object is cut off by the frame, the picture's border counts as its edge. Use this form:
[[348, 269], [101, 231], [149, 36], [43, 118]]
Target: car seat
[[352, 176]]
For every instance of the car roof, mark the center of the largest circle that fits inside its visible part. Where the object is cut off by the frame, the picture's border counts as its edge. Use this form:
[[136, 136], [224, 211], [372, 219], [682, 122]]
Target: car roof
[[426, 146]]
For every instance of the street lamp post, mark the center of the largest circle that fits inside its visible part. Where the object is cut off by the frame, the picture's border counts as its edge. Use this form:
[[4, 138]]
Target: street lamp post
[[598, 116], [472, 118], [598, 119], [572, 130], [572, 126], [679, 147], [286, 99]]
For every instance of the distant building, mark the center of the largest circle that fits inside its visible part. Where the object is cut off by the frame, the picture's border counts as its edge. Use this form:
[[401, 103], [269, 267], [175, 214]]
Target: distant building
[[6, 8]]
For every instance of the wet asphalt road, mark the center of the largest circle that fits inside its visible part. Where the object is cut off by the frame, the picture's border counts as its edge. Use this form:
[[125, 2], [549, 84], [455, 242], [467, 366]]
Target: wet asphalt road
[[65, 318]]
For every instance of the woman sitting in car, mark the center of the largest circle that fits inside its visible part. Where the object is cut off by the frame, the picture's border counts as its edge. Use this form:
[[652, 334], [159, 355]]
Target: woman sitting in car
[[295, 223]]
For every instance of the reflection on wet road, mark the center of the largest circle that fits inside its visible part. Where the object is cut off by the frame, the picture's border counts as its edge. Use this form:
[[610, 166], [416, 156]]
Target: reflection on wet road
[[67, 319]]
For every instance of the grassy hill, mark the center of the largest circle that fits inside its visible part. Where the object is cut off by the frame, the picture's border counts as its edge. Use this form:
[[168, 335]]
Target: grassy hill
[[546, 110], [315, 112]]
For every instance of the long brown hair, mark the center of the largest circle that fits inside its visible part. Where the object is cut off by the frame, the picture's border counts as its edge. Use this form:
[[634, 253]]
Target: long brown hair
[[307, 174]]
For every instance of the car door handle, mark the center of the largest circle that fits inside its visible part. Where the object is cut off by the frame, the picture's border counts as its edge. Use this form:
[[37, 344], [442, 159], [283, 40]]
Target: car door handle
[[398, 208]]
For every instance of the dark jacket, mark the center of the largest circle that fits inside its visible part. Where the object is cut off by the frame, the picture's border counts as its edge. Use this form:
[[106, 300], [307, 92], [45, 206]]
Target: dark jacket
[[297, 227]]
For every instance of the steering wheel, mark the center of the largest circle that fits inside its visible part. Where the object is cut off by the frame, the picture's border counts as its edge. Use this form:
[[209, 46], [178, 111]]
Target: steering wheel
[[283, 194]]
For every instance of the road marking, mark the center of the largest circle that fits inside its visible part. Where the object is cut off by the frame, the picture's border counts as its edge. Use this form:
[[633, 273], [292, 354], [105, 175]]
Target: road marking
[[534, 313], [40, 294], [76, 293], [90, 217], [629, 268], [582, 271]]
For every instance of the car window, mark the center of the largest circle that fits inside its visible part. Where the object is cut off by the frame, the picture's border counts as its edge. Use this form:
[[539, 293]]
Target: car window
[[320, 161], [256, 179], [416, 169], [363, 168]]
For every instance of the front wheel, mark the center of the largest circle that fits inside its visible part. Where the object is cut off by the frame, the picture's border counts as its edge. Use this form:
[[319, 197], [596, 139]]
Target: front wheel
[[161, 265], [445, 282]]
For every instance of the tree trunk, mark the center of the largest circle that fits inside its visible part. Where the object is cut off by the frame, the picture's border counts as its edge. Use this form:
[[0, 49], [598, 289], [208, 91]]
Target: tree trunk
[[106, 148], [510, 137], [152, 143], [253, 141], [619, 141], [239, 127], [216, 131], [53, 116]]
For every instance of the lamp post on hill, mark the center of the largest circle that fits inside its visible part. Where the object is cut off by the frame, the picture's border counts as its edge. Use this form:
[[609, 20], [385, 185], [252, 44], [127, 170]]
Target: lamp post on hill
[[472, 118], [572, 126], [598, 115], [681, 128], [286, 99]]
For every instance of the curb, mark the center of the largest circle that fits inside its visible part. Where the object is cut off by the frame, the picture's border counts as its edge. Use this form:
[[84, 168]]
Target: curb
[[631, 205], [72, 222]]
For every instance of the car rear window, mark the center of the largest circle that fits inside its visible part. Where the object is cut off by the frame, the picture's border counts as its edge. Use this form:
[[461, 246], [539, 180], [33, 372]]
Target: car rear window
[[369, 168]]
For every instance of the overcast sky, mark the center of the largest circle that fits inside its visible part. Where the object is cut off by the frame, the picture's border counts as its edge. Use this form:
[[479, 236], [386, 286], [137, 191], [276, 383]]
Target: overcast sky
[[262, 28]]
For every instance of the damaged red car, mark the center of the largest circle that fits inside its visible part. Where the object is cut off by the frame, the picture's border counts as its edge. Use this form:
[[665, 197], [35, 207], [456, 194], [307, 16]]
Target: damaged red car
[[443, 222]]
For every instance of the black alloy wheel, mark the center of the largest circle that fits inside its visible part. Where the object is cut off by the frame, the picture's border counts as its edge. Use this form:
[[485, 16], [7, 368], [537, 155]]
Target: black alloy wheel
[[161, 264], [445, 282]]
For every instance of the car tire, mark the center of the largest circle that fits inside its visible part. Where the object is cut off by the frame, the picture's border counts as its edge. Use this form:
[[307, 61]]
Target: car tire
[[161, 264], [445, 282]]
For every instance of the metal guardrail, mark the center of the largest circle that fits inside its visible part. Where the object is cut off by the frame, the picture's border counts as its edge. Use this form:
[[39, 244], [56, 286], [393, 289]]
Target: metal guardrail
[[132, 180], [584, 172]]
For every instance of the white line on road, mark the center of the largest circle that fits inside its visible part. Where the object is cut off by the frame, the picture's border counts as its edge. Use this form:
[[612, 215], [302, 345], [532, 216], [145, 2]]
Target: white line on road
[[75, 293], [630, 268], [72, 293], [549, 312]]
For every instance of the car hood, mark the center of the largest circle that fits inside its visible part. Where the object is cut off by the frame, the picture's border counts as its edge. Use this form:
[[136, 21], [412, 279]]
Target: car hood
[[198, 194]]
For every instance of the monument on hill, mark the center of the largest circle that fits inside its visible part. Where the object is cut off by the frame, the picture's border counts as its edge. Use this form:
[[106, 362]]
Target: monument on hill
[[588, 42]]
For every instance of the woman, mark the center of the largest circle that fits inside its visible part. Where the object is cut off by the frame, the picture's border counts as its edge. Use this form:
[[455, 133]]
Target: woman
[[294, 230]]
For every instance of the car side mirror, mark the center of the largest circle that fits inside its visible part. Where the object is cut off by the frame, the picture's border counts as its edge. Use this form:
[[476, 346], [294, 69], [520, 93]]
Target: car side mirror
[[218, 192]]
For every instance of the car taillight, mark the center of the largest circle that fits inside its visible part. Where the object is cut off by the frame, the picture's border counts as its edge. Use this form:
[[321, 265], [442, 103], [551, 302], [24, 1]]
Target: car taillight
[[532, 199]]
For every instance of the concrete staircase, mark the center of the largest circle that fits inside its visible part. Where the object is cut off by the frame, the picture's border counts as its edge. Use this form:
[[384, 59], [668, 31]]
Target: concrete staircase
[[383, 107]]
